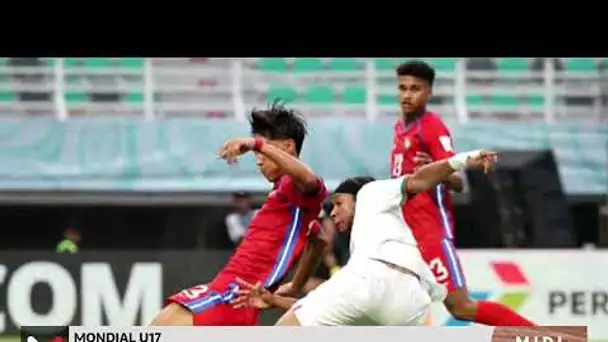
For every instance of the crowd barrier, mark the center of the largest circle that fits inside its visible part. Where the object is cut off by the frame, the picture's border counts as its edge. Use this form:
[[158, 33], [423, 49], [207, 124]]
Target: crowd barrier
[[554, 287]]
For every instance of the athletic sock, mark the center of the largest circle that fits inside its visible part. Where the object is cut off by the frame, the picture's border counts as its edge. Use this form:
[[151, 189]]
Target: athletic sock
[[496, 314]]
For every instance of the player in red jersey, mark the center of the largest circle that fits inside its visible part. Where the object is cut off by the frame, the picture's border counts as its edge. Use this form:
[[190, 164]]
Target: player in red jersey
[[278, 234], [417, 135]]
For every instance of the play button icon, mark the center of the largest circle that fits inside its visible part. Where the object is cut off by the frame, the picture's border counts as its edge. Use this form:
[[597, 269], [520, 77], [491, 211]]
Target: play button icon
[[44, 334]]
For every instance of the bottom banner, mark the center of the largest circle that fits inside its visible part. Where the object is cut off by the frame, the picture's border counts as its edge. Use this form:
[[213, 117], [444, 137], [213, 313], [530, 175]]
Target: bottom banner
[[295, 334]]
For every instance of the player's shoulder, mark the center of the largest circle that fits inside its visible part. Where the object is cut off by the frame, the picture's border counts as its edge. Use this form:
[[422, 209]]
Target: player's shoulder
[[434, 121]]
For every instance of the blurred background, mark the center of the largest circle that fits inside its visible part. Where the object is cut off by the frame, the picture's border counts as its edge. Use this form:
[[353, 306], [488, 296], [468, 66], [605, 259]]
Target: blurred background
[[112, 196]]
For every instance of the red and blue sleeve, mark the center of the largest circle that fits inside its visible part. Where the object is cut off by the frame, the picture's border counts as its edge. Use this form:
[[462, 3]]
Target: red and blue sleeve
[[300, 198]]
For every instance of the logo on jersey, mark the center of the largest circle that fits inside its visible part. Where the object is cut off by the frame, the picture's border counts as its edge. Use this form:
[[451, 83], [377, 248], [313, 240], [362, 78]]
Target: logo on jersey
[[407, 143], [446, 143]]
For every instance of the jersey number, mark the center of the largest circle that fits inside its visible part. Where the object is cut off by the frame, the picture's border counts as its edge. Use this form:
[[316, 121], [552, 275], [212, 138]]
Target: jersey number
[[439, 270], [397, 165], [195, 291]]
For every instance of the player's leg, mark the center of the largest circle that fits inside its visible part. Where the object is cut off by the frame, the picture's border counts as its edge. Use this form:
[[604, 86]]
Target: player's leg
[[289, 319], [173, 314], [446, 267]]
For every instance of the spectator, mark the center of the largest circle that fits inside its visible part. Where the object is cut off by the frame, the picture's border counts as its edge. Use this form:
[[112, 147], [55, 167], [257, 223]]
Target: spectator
[[69, 243], [238, 221]]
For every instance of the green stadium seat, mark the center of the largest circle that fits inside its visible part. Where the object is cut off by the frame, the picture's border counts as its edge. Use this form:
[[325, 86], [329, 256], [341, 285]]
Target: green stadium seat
[[272, 64], [513, 64], [443, 64], [474, 100], [307, 65], [76, 97], [131, 63], [504, 100], [97, 62], [581, 64], [385, 63], [281, 93], [354, 95], [387, 99], [535, 100], [7, 96], [134, 97], [319, 94], [71, 63], [344, 64]]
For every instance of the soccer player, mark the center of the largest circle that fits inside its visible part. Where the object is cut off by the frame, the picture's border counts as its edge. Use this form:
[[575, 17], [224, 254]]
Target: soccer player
[[276, 237], [418, 134], [385, 281]]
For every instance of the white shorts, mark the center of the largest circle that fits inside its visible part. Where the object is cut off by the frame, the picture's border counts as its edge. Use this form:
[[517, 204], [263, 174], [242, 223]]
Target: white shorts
[[365, 292]]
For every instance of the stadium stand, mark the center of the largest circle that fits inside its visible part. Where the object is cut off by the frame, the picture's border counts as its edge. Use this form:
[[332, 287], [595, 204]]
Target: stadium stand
[[511, 88]]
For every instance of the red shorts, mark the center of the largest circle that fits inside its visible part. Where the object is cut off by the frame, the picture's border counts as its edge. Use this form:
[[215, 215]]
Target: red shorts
[[209, 306], [441, 257]]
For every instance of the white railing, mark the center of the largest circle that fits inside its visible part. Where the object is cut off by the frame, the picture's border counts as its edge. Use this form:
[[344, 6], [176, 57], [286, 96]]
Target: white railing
[[177, 86]]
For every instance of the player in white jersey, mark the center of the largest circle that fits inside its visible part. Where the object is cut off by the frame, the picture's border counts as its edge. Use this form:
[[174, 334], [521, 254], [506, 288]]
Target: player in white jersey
[[386, 281]]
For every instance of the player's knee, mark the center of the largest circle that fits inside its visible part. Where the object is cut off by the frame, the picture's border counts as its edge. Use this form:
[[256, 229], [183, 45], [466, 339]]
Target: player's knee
[[462, 309], [173, 314], [289, 319]]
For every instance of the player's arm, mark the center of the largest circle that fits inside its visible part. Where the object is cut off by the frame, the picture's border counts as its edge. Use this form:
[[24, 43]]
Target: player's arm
[[257, 296], [454, 181], [389, 193], [440, 146], [312, 256], [431, 175]]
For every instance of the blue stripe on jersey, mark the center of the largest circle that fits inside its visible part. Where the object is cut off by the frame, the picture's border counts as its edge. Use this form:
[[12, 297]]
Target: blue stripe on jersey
[[445, 220], [455, 271], [291, 239]]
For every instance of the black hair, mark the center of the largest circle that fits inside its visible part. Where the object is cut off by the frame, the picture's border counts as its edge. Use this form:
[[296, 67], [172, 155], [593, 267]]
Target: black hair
[[278, 122], [418, 69], [353, 185]]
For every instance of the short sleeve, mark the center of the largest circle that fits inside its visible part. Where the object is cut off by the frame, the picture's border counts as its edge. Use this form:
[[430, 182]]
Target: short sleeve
[[439, 140], [310, 199], [383, 195]]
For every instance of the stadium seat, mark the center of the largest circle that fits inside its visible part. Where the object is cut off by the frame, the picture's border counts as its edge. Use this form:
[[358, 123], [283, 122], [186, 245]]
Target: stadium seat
[[513, 64], [354, 95], [385, 64], [281, 93], [581, 64], [344, 64], [97, 62], [75, 97], [443, 64], [535, 100], [131, 63], [134, 97], [71, 63], [387, 99], [7, 96], [319, 94], [307, 65], [504, 100], [49, 62], [272, 64], [474, 100]]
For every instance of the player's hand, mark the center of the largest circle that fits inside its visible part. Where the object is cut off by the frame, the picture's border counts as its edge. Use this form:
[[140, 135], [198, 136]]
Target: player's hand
[[287, 290], [485, 161], [422, 158], [234, 148], [252, 296]]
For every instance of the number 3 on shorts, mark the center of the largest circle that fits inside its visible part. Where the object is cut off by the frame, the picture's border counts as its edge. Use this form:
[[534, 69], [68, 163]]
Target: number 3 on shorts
[[439, 270]]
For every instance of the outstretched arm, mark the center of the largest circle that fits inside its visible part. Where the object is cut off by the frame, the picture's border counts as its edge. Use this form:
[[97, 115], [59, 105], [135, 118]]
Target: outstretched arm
[[302, 175], [430, 175], [454, 181]]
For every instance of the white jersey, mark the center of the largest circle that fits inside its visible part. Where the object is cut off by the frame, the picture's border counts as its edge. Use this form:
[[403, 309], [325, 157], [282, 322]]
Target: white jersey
[[379, 230]]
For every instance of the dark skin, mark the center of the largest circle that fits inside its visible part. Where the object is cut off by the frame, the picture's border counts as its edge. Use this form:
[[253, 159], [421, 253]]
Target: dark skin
[[414, 95]]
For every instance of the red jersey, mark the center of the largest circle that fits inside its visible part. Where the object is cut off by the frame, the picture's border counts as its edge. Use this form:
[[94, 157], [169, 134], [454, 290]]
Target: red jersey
[[428, 214], [276, 236]]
